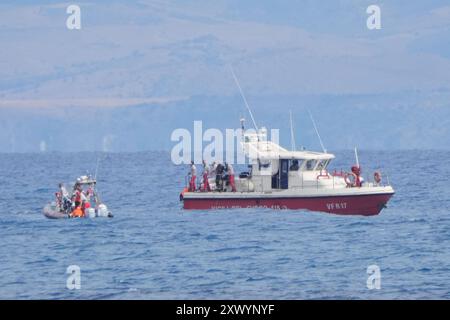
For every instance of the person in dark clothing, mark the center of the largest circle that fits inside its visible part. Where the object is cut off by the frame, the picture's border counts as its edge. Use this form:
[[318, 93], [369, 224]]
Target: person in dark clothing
[[219, 176], [294, 166]]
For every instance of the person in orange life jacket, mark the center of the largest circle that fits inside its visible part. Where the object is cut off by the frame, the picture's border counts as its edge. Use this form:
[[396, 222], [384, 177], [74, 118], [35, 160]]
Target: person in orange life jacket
[[76, 195], [206, 186], [78, 198], [230, 171], [77, 213], [193, 177]]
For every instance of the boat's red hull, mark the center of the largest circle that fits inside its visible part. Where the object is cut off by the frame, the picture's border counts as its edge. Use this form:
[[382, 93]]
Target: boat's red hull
[[366, 205]]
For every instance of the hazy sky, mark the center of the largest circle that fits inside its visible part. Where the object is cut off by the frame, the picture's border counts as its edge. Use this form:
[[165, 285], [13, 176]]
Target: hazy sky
[[130, 53]]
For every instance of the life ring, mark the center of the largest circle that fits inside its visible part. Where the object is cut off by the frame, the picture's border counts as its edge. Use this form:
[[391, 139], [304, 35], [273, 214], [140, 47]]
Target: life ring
[[348, 181], [323, 174], [377, 177]]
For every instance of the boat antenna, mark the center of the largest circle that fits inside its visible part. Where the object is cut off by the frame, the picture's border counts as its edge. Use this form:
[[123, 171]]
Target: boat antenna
[[317, 131], [98, 201], [96, 167], [243, 97], [242, 121], [293, 147], [356, 157]]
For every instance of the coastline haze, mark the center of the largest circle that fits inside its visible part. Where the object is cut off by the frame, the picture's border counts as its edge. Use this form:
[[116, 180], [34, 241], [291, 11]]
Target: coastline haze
[[376, 88]]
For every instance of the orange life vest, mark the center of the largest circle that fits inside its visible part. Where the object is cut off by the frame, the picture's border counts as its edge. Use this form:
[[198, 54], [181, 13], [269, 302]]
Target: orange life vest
[[77, 213]]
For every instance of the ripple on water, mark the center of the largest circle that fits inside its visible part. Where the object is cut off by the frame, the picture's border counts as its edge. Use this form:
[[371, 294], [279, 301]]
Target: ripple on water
[[153, 249]]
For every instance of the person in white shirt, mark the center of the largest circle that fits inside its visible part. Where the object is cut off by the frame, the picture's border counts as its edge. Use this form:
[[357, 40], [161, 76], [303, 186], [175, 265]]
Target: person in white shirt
[[65, 198], [193, 177], [206, 186], [63, 190], [212, 169]]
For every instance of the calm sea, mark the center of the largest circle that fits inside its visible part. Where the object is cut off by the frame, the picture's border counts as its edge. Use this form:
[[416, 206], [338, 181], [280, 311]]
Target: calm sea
[[152, 249]]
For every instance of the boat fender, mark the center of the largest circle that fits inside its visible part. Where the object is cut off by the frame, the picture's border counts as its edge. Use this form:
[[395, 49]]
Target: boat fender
[[102, 210], [91, 212]]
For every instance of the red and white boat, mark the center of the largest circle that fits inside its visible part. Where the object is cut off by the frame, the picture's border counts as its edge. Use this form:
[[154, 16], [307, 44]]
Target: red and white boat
[[299, 180]]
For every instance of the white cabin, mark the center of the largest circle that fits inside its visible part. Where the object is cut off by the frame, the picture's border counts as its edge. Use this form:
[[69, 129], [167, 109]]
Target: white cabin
[[275, 168]]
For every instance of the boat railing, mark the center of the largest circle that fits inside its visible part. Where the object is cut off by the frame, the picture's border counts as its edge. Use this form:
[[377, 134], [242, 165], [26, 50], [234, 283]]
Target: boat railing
[[368, 183]]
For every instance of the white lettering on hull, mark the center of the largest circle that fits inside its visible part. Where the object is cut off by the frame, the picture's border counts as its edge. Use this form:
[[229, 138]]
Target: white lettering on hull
[[274, 206], [336, 205]]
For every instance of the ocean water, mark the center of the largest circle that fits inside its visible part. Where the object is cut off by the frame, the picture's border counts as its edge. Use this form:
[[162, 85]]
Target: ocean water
[[153, 249]]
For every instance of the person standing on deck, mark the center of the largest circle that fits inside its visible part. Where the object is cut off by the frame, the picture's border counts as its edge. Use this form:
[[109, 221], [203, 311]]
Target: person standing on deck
[[63, 190], [230, 171], [76, 195], [219, 177], [193, 177], [65, 198], [77, 199], [212, 169], [206, 186]]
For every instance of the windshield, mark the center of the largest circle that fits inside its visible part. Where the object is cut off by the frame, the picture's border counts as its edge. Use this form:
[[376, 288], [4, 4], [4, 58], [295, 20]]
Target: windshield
[[294, 165], [310, 165], [322, 165]]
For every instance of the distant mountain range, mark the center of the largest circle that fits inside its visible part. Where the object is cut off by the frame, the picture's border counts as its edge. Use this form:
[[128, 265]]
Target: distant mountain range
[[406, 121], [139, 69]]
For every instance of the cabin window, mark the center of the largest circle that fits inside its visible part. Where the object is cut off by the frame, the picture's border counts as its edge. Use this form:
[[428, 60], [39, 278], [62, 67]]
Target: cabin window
[[322, 165], [310, 165], [295, 164]]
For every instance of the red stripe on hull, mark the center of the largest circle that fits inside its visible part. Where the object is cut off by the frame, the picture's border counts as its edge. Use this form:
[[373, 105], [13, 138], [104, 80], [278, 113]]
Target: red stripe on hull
[[366, 205]]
